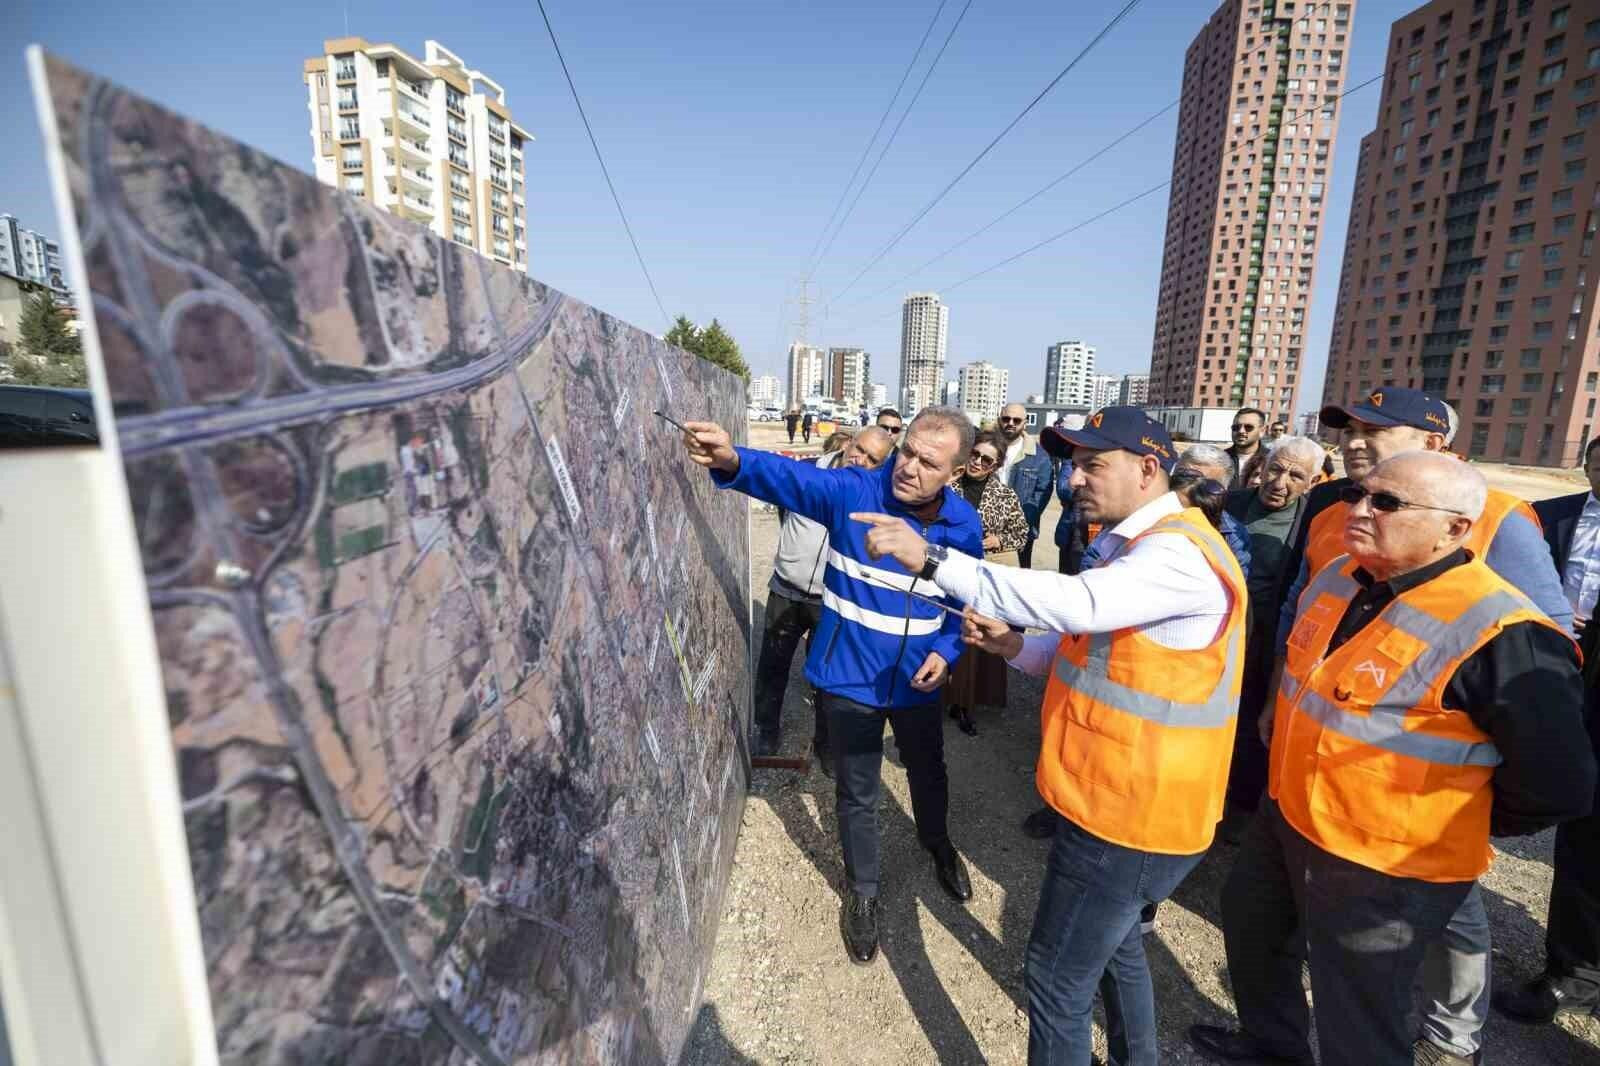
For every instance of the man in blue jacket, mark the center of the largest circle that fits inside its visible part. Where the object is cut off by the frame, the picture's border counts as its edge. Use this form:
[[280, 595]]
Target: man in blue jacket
[[879, 653], [1028, 470]]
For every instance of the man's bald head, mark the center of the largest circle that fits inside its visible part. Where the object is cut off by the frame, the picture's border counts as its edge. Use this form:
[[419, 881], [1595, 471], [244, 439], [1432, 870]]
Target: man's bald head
[[1013, 419], [1414, 509], [1439, 480], [868, 448]]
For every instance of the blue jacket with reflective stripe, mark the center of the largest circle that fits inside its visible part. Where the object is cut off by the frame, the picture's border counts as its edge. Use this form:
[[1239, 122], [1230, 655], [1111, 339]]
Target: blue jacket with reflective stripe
[[871, 639]]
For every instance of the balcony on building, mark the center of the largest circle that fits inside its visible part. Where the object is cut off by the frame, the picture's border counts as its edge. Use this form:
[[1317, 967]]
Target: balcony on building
[[406, 113], [415, 207], [406, 147]]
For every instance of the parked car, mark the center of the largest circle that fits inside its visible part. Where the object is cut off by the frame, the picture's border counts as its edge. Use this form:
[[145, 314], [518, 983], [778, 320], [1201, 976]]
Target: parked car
[[37, 417], [771, 414]]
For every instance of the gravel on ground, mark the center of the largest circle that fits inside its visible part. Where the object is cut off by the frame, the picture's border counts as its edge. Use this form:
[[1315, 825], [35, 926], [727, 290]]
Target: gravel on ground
[[947, 985]]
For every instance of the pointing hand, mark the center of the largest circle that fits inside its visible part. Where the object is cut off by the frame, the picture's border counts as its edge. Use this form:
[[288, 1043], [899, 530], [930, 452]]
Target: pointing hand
[[710, 445], [895, 538]]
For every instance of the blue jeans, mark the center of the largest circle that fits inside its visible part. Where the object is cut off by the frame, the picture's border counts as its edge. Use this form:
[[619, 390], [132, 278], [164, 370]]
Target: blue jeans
[[1086, 934]]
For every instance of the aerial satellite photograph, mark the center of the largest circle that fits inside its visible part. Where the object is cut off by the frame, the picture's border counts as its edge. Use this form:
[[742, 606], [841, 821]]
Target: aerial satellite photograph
[[455, 641]]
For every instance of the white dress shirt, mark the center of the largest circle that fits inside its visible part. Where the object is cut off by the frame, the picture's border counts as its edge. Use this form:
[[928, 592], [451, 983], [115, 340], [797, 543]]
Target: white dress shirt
[[1162, 587], [1581, 578]]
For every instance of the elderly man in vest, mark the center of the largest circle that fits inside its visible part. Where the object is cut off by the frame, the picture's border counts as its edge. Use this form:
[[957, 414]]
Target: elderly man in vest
[[1143, 655], [1506, 536], [884, 643], [1425, 704]]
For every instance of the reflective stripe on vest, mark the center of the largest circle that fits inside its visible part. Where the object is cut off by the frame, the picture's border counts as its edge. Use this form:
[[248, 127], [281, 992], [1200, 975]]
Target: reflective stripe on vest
[[1136, 737], [1091, 680], [1368, 763]]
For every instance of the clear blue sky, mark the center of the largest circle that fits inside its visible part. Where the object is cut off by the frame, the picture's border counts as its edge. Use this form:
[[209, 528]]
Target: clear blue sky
[[731, 126]]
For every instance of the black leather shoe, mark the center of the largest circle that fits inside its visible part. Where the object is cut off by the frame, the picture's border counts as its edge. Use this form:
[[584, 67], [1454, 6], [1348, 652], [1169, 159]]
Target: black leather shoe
[[1041, 824], [858, 921], [1232, 1046], [952, 872], [1545, 998]]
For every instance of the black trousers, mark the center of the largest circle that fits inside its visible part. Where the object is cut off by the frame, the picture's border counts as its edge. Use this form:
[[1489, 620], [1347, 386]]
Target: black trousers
[[857, 734], [1572, 935], [788, 621], [1025, 555], [1365, 931], [1247, 774]]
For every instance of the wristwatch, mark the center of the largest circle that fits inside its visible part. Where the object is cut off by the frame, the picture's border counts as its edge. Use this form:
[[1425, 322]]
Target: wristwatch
[[936, 555]]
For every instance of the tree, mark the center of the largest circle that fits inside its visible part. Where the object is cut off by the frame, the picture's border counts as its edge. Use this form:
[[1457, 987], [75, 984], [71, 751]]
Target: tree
[[684, 334], [713, 344], [717, 345], [50, 353]]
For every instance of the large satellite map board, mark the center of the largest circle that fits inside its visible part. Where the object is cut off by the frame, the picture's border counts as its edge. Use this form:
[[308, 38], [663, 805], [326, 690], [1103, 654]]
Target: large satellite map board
[[455, 641]]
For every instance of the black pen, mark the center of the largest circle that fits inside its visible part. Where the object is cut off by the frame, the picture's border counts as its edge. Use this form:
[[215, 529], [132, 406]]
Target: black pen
[[670, 421]]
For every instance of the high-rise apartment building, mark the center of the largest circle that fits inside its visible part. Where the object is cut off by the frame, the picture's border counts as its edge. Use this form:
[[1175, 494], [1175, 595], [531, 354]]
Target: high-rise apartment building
[[849, 369], [1068, 373], [1250, 171], [428, 139], [808, 373], [30, 256], [1473, 227], [1103, 390], [765, 391], [924, 329], [984, 387], [1134, 390], [877, 397]]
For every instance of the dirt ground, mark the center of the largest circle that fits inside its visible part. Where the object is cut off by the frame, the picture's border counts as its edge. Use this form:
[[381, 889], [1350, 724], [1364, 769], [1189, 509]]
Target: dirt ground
[[947, 985]]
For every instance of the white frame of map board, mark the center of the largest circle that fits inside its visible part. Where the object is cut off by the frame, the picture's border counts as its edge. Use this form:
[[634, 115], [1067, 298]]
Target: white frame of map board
[[100, 953]]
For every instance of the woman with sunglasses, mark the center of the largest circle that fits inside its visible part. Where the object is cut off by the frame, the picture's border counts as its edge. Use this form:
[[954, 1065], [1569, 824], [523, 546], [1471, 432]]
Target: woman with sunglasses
[[978, 676]]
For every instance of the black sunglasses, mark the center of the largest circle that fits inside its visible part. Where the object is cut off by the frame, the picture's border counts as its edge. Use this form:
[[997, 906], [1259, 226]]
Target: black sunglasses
[[889, 429], [979, 459], [1018, 421], [1387, 502]]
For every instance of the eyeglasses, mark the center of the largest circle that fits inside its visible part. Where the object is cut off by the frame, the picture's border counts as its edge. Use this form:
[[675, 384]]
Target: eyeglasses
[[888, 428], [1009, 421], [1387, 502], [1237, 426], [979, 459]]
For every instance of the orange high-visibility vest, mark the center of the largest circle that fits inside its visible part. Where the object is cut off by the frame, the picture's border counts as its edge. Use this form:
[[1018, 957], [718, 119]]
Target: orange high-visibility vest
[[1137, 737], [1367, 763], [1325, 538]]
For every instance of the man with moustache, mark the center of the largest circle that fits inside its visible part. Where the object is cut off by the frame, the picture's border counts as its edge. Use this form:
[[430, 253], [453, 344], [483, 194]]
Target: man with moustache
[[881, 649]]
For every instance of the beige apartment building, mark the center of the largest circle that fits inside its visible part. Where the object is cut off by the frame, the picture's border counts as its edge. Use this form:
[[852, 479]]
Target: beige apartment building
[[428, 139], [1250, 171], [1472, 229]]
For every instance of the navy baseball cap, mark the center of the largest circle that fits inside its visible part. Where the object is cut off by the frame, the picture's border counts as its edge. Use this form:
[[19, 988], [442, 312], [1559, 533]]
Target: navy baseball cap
[[1391, 405], [1127, 428]]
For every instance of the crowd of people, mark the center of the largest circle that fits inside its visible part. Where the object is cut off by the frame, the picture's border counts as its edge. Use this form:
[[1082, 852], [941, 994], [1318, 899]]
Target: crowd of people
[[1360, 680]]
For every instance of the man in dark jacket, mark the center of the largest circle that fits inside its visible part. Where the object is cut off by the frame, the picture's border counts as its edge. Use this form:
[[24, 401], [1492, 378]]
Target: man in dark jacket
[[1571, 979], [879, 653], [1028, 470]]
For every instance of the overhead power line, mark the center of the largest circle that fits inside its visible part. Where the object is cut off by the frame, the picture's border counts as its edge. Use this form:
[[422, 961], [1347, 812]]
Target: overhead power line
[[603, 168], [1129, 202], [929, 206], [1019, 205], [923, 84], [811, 258], [1310, 13]]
